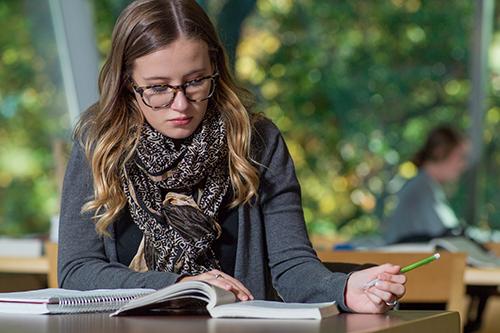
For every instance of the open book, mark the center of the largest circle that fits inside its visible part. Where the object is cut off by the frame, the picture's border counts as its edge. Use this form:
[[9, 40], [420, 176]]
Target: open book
[[197, 296], [55, 300], [476, 255], [180, 298]]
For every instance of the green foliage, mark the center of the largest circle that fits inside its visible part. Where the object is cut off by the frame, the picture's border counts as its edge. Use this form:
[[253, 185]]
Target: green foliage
[[355, 86], [29, 123], [105, 15]]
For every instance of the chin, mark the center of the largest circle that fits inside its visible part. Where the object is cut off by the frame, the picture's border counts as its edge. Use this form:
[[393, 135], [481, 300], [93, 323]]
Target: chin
[[178, 133]]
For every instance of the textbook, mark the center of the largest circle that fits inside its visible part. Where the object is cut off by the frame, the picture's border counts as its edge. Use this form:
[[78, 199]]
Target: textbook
[[190, 297], [56, 300], [201, 297], [476, 255]]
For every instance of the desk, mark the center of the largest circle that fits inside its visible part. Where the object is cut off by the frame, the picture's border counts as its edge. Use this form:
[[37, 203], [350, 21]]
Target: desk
[[393, 322], [38, 265], [482, 283], [46, 264], [23, 273], [482, 276]]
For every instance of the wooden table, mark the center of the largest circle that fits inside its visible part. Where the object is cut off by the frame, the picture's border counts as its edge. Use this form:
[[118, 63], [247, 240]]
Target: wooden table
[[394, 322], [482, 276], [38, 265], [482, 283]]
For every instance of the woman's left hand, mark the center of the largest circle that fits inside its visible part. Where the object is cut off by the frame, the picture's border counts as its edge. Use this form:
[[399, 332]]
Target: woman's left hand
[[378, 298]]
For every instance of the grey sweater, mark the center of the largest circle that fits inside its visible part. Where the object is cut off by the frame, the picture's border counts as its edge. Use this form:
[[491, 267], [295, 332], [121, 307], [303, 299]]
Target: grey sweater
[[422, 211], [273, 252]]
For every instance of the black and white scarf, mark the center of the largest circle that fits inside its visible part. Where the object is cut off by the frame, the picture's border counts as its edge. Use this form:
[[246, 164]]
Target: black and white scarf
[[174, 194]]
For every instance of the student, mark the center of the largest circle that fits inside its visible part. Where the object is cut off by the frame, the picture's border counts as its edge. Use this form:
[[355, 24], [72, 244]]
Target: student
[[422, 212], [172, 179]]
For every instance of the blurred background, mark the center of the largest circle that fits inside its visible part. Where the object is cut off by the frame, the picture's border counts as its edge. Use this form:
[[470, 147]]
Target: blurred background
[[353, 85]]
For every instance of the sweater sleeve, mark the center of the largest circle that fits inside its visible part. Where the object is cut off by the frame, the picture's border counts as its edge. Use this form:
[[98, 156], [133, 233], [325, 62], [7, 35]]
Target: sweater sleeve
[[297, 273], [83, 261]]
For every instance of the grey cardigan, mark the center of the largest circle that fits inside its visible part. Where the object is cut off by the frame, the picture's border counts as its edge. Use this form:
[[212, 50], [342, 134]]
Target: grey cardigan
[[273, 252]]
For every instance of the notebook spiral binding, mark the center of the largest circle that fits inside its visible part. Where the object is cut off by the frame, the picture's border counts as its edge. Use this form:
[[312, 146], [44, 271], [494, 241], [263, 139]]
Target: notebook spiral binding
[[93, 303]]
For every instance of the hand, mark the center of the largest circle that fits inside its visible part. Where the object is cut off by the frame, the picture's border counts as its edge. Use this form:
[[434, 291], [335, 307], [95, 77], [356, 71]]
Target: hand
[[378, 298], [224, 281]]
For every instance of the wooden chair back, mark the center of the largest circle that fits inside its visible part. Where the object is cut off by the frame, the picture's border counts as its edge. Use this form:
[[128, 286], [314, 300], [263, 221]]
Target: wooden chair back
[[51, 254], [494, 248]]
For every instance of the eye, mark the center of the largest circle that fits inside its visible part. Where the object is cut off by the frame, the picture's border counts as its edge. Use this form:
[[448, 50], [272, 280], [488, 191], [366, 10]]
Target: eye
[[159, 89], [195, 82]]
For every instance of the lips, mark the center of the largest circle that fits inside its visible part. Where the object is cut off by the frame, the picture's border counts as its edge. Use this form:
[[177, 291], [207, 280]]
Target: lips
[[180, 121]]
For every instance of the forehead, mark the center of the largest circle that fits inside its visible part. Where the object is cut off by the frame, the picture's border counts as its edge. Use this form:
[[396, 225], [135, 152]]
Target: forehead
[[174, 60], [461, 149]]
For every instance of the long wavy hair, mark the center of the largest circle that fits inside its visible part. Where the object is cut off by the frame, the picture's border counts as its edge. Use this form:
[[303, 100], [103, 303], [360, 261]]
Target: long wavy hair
[[110, 129]]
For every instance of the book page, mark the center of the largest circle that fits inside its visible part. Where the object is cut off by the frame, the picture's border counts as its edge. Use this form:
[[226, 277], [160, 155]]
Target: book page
[[275, 310], [180, 296]]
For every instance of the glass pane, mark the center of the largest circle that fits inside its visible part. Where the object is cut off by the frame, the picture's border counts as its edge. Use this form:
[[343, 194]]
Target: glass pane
[[489, 180], [355, 86], [34, 124]]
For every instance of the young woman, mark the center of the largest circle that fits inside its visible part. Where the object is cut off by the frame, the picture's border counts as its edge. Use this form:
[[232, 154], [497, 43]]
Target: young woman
[[171, 178], [423, 212]]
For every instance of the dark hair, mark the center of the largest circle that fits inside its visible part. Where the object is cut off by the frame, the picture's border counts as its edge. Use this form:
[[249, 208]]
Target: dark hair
[[439, 144]]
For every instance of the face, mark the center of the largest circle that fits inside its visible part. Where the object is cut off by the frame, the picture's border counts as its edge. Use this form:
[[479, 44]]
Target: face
[[181, 61], [456, 162]]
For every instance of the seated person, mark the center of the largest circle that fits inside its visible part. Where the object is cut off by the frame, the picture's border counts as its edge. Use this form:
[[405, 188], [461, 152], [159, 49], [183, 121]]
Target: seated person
[[172, 178], [422, 212]]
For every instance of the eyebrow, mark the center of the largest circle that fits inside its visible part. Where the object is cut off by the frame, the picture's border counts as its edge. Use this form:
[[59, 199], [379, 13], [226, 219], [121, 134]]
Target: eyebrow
[[166, 78]]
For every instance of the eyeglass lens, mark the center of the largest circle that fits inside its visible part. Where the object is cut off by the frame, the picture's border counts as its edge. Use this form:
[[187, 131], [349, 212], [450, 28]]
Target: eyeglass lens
[[195, 91]]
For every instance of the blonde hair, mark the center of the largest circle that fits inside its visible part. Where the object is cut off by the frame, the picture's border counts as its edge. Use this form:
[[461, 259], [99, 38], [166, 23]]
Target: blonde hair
[[110, 129]]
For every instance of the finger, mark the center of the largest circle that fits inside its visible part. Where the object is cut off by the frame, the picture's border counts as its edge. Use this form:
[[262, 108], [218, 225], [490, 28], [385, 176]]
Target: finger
[[211, 278], [385, 296], [396, 278], [397, 289], [238, 284], [374, 298], [389, 268], [224, 285]]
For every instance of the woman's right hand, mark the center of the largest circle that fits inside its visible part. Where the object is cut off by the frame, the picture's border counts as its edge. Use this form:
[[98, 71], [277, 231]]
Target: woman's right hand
[[224, 281]]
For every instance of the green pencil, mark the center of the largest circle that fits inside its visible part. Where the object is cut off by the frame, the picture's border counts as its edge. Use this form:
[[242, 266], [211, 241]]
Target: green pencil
[[408, 268], [419, 263]]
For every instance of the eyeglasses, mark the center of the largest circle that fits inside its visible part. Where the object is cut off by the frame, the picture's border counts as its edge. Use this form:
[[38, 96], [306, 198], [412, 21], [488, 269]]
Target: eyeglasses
[[159, 96]]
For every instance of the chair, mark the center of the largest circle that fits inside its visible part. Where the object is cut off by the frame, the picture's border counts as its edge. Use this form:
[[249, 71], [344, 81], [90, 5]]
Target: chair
[[51, 254], [494, 248], [439, 282]]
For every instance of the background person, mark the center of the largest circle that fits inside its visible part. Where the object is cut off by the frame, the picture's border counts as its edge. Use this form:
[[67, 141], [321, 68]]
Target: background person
[[422, 211]]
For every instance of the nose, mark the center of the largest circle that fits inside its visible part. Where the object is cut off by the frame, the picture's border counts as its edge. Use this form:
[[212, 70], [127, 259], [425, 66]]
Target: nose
[[180, 102]]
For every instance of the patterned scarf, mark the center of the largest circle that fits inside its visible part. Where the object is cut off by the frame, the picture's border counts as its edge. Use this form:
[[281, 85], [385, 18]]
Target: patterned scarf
[[174, 195]]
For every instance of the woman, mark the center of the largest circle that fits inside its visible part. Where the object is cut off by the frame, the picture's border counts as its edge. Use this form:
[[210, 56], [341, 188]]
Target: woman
[[422, 212], [172, 179]]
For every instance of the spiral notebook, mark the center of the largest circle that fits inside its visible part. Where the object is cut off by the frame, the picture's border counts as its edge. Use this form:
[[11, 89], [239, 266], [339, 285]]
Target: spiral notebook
[[56, 300]]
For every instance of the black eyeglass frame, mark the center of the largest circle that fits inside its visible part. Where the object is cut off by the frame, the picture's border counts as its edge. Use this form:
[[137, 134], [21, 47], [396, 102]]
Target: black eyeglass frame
[[181, 87]]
